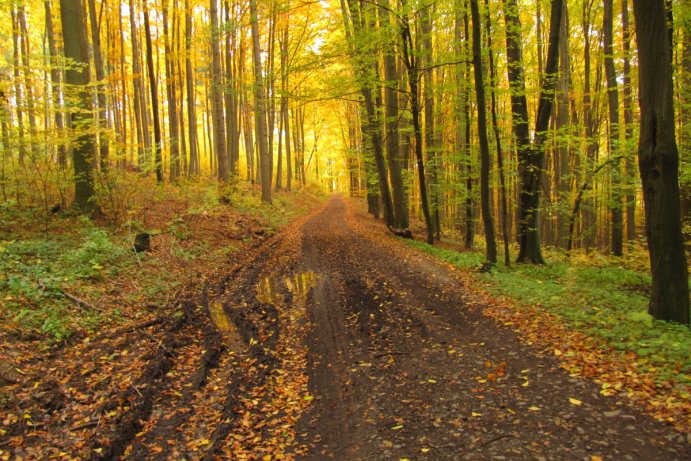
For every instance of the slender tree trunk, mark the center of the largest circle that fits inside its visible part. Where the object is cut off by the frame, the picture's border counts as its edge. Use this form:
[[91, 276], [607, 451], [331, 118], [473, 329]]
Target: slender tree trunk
[[497, 140], [284, 105], [614, 137], [231, 99], [631, 176], [530, 155], [219, 134], [143, 141], [395, 163], [426, 60], [658, 161], [194, 165], [562, 174], [101, 118], [411, 64], [28, 81], [55, 80], [77, 78], [260, 108], [18, 91], [158, 161], [485, 166], [171, 93]]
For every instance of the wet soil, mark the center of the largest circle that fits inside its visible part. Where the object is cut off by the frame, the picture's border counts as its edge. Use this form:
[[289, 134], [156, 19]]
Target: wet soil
[[330, 340]]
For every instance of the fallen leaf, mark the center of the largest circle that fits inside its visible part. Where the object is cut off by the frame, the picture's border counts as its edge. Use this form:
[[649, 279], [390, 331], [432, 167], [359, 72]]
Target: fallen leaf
[[574, 401]]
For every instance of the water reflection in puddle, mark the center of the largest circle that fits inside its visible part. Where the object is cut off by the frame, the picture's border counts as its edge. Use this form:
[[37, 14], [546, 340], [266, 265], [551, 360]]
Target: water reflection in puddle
[[298, 284], [225, 326]]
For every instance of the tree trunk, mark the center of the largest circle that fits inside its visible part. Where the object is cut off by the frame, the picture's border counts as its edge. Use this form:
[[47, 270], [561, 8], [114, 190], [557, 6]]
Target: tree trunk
[[101, 118], [530, 155], [219, 134], [18, 90], [411, 64], [171, 93], [497, 140], [158, 161], [260, 108], [55, 81], [194, 165], [614, 137], [77, 77], [631, 179], [485, 166], [395, 163], [658, 161]]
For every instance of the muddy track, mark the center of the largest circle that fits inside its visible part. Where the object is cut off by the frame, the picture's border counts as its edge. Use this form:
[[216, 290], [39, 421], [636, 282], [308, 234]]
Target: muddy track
[[403, 369], [332, 340]]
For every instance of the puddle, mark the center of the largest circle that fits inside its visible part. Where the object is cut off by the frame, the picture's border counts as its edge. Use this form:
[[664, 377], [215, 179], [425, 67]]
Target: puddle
[[298, 284], [267, 291], [228, 330]]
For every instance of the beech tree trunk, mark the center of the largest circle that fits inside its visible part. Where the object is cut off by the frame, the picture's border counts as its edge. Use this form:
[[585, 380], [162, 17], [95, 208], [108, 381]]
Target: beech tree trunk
[[158, 161], [487, 221], [658, 161], [260, 108], [614, 135], [217, 116], [77, 77]]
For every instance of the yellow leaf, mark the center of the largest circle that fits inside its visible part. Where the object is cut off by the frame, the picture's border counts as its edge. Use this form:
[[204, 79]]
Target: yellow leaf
[[387, 443], [534, 408], [557, 352], [266, 458], [433, 381], [574, 401], [397, 428], [424, 450], [475, 414], [596, 458], [525, 383]]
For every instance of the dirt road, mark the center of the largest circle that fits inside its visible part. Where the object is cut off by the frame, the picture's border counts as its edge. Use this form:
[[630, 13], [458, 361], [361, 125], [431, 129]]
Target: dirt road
[[334, 340]]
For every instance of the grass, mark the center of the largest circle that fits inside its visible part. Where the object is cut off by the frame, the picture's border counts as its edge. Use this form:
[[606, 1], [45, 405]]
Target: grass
[[605, 298]]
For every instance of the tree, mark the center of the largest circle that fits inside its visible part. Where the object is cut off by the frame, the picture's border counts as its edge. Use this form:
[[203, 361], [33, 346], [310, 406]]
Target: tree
[[530, 154], [158, 161], [614, 136], [658, 162], [79, 111], [219, 134], [487, 220], [260, 108]]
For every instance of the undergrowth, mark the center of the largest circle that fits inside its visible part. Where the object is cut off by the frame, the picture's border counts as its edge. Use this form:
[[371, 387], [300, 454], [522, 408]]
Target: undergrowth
[[600, 297], [46, 263]]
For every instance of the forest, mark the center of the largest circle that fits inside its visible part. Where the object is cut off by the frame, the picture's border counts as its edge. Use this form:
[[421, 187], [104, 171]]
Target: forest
[[241, 229]]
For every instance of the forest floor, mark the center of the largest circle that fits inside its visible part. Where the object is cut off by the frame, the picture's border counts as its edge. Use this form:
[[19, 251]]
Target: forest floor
[[329, 339]]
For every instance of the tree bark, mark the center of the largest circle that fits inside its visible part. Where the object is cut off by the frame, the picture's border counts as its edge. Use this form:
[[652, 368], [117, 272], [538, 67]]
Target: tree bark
[[158, 161], [614, 135], [194, 164], [77, 77], [171, 93], [487, 220], [260, 108], [219, 134], [658, 161], [55, 81], [395, 163], [101, 117]]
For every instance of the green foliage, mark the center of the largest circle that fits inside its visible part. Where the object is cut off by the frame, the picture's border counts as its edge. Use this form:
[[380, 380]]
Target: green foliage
[[96, 254], [34, 273], [603, 300]]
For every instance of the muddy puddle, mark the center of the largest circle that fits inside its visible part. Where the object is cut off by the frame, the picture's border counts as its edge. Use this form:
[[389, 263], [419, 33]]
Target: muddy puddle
[[230, 333], [268, 290]]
